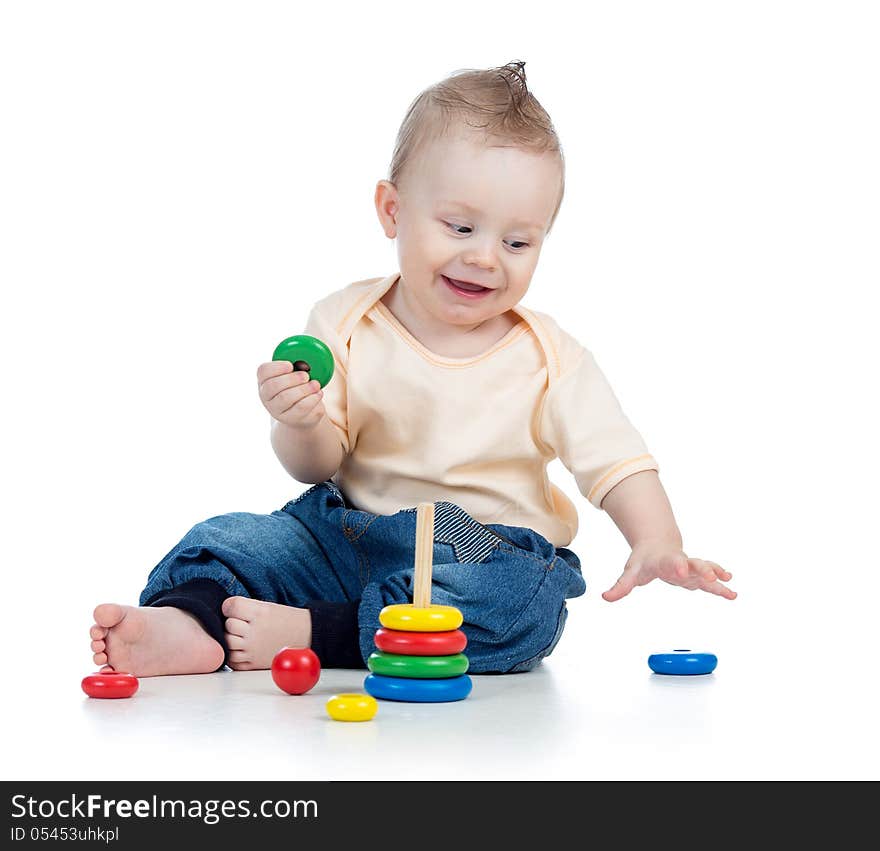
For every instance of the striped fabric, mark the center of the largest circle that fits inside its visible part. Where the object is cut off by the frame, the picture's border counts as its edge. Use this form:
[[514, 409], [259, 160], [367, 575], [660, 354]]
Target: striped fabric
[[472, 542]]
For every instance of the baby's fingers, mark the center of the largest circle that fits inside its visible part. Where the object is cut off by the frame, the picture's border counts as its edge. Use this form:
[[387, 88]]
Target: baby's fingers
[[272, 369], [721, 573], [709, 571], [717, 588], [623, 585], [309, 405], [705, 570], [272, 388]]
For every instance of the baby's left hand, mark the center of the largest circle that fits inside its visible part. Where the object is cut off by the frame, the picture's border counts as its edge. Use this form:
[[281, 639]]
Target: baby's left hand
[[657, 561]]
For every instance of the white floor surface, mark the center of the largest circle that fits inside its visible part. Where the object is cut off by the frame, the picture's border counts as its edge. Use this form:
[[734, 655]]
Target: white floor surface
[[766, 712]]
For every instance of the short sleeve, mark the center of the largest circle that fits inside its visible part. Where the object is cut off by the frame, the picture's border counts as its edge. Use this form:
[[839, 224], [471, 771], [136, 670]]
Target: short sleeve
[[320, 324], [582, 422]]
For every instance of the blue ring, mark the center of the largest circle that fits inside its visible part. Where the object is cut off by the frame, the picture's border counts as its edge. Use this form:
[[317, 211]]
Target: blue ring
[[682, 663], [418, 691]]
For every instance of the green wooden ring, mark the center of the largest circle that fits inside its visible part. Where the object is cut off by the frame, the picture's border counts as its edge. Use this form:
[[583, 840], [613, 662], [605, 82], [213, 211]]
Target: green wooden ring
[[417, 667], [307, 354]]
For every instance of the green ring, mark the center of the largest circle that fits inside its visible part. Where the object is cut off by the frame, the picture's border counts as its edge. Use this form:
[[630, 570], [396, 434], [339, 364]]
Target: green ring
[[312, 351], [417, 667]]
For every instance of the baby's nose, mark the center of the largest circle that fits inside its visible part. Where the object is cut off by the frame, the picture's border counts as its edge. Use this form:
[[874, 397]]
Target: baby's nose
[[482, 257]]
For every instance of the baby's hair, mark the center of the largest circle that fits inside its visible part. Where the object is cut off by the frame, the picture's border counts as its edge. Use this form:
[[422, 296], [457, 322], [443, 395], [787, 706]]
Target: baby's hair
[[495, 101]]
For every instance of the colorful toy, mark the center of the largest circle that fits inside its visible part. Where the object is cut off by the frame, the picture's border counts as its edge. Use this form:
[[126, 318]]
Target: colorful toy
[[295, 669], [408, 616], [418, 691], [307, 354], [110, 684], [421, 643], [419, 658], [417, 667], [682, 663], [352, 707]]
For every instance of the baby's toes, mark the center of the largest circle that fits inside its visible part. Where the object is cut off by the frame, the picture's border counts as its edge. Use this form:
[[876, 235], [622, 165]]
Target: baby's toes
[[98, 646], [242, 608], [235, 642], [100, 658], [239, 660], [97, 632], [236, 626]]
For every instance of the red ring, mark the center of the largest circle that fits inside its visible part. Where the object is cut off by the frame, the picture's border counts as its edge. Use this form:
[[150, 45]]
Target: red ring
[[110, 684], [421, 643]]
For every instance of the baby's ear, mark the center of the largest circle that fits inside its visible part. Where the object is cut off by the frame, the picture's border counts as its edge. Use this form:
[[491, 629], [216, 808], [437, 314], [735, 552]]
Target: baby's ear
[[387, 207]]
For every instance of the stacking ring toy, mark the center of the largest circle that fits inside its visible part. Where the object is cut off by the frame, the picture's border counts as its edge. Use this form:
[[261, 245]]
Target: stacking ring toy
[[410, 618], [421, 643], [418, 691], [110, 684], [418, 667], [682, 663], [307, 354], [352, 707]]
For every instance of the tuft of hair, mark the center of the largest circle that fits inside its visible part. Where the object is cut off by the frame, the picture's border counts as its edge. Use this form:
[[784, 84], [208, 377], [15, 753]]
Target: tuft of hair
[[494, 102]]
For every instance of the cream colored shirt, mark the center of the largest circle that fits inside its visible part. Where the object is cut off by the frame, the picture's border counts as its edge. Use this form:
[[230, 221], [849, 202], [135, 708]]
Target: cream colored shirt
[[476, 431]]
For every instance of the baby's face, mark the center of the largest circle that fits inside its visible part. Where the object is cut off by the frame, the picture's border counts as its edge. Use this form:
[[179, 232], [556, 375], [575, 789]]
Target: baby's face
[[473, 214]]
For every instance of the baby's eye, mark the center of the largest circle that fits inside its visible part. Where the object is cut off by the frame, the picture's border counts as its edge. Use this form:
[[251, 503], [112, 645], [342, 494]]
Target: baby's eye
[[464, 230]]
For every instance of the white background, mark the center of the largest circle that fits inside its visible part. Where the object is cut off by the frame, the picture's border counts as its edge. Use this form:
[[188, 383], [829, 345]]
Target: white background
[[179, 181]]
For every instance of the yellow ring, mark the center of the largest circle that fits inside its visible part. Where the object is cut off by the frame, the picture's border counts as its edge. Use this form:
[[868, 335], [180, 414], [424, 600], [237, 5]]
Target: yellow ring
[[410, 618], [352, 707]]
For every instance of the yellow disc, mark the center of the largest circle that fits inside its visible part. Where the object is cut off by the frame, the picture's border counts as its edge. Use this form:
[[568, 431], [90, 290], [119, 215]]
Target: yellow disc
[[410, 618], [352, 707]]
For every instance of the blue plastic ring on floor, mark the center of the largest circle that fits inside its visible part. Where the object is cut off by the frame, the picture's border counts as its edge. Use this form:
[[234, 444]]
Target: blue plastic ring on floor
[[418, 691], [682, 662]]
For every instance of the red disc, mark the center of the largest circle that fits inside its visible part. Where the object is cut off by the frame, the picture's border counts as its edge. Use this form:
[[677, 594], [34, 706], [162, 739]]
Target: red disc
[[421, 643], [110, 684]]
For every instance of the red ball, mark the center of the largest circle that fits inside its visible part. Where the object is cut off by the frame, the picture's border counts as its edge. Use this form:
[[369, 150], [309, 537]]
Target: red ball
[[110, 684], [295, 669]]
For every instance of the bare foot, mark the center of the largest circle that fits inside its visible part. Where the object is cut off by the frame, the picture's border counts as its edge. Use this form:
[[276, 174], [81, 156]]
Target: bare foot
[[256, 631], [151, 641]]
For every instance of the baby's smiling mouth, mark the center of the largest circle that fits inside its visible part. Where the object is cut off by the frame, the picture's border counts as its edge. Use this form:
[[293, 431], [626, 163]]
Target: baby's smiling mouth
[[465, 287]]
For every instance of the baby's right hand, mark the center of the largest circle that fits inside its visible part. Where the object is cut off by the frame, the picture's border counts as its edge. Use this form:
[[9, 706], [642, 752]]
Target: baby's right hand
[[289, 396]]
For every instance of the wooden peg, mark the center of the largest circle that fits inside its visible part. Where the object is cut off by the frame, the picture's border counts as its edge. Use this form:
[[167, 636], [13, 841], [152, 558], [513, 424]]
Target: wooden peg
[[424, 555]]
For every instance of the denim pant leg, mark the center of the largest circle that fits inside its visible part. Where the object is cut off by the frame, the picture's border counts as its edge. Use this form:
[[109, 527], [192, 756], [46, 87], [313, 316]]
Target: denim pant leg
[[278, 557], [510, 583]]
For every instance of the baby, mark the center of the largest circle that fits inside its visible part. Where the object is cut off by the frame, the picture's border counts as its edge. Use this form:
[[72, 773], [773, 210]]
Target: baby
[[446, 390]]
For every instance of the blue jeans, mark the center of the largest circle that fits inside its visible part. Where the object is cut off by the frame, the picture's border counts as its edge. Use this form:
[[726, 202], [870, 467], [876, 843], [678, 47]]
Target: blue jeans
[[509, 582]]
